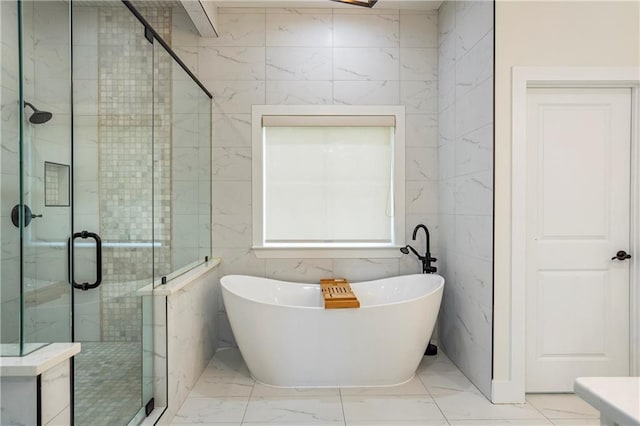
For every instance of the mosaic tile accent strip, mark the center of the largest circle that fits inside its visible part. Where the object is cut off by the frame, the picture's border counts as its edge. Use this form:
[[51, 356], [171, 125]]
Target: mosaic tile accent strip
[[108, 383], [130, 150]]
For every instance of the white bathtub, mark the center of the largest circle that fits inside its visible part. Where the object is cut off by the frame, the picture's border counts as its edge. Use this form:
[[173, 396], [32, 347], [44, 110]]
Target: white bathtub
[[288, 339]]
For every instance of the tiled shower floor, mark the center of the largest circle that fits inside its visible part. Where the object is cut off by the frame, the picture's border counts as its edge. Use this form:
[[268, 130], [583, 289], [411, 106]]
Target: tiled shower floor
[[440, 394], [107, 383]]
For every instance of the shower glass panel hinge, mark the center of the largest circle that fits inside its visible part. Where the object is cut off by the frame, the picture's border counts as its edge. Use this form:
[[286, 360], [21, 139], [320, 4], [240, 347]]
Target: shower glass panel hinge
[[148, 34], [149, 407], [163, 280], [206, 258]]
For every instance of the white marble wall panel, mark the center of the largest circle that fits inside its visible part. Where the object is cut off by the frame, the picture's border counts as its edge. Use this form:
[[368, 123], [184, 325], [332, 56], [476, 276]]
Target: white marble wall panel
[[56, 393], [474, 151], [231, 164], [474, 236], [465, 194], [446, 84], [235, 96], [233, 198], [446, 197], [474, 193], [365, 269], [300, 30], [421, 197], [232, 63], [419, 96], [469, 116], [475, 67], [366, 63], [474, 19], [231, 130], [298, 63], [18, 401], [245, 29], [421, 164], [231, 231], [366, 30], [419, 30], [299, 92], [8, 43], [299, 270], [419, 63], [421, 130], [240, 261], [183, 32], [366, 93], [192, 336]]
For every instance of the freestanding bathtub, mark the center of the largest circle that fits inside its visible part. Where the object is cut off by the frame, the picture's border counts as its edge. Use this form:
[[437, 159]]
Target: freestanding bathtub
[[288, 339]]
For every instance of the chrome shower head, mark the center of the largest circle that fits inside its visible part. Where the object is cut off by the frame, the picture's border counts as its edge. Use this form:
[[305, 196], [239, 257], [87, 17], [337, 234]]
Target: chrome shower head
[[38, 117]]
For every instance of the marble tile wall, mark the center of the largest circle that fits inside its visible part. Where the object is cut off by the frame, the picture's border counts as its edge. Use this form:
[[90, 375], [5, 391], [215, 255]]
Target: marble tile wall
[[313, 56], [191, 336], [18, 400], [465, 186]]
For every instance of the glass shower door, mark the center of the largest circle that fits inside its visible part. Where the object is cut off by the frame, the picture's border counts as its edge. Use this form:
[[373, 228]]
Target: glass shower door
[[44, 214], [113, 184]]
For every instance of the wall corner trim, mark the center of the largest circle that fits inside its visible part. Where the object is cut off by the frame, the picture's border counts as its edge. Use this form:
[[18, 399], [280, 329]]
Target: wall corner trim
[[506, 392]]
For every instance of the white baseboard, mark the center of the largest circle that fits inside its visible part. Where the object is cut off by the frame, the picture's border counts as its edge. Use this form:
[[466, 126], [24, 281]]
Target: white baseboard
[[506, 392]]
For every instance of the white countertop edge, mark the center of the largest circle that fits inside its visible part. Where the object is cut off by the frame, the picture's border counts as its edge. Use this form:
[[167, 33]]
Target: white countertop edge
[[179, 282], [597, 392], [39, 361]]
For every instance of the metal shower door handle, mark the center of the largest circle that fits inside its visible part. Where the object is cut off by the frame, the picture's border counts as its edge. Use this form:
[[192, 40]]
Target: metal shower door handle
[[621, 255], [87, 286]]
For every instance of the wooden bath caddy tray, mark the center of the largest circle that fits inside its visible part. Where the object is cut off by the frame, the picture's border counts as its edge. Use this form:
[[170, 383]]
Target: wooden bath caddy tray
[[337, 294]]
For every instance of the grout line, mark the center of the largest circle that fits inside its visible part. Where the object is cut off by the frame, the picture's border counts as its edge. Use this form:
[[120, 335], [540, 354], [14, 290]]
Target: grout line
[[344, 418], [246, 407]]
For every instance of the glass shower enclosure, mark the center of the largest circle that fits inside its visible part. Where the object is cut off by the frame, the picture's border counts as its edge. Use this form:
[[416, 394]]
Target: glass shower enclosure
[[105, 175]]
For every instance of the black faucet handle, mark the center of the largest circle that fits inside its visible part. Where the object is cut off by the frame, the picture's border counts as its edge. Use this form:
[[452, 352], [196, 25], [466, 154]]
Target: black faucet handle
[[432, 259], [433, 270]]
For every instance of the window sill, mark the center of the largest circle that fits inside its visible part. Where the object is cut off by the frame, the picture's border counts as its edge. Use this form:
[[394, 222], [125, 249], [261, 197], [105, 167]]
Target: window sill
[[306, 252]]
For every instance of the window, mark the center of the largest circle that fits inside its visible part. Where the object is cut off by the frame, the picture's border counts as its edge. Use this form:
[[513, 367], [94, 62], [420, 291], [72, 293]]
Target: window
[[328, 181]]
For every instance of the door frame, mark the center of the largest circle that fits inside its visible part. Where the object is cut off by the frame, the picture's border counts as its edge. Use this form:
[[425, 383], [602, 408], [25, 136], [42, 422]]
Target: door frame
[[523, 78]]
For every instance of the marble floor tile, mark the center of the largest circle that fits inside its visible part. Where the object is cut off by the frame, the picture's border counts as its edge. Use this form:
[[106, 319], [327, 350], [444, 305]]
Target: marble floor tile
[[265, 390], [412, 387], [213, 424], [210, 385], [294, 410], [471, 405], [388, 409], [502, 422], [442, 422], [211, 410], [440, 394], [576, 422], [227, 362], [562, 406]]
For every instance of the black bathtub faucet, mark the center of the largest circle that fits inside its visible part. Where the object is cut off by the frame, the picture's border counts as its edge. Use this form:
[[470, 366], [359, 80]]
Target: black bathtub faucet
[[426, 259]]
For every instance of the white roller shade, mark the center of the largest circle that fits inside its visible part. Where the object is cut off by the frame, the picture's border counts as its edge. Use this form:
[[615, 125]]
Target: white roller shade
[[327, 183], [328, 121]]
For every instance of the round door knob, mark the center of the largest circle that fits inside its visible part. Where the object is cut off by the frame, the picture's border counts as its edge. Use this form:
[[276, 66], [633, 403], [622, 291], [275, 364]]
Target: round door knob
[[621, 255]]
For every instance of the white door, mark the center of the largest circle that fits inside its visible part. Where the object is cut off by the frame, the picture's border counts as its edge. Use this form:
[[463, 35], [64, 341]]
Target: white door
[[578, 206]]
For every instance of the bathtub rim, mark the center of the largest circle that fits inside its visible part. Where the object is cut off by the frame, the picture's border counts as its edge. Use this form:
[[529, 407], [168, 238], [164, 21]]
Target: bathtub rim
[[436, 289]]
